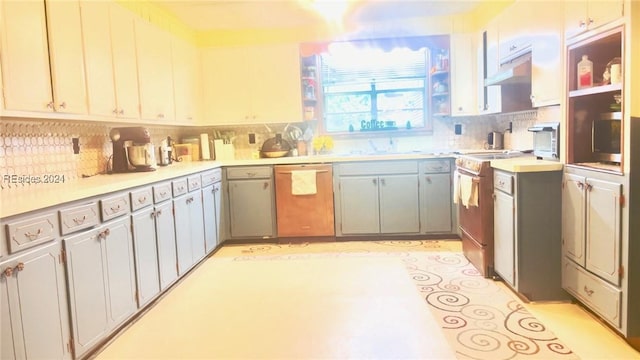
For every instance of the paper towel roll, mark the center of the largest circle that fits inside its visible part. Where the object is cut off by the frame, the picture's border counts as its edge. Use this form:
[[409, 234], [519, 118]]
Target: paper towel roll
[[204, 146]]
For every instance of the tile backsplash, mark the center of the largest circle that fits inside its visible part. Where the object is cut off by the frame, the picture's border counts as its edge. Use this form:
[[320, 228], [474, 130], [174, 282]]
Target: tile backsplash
[[41, 147]]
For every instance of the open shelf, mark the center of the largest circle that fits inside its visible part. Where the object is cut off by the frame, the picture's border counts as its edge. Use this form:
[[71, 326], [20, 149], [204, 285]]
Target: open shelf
[[595, 90]]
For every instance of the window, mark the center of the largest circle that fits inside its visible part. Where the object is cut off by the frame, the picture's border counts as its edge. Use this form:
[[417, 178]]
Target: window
[[364, 83]]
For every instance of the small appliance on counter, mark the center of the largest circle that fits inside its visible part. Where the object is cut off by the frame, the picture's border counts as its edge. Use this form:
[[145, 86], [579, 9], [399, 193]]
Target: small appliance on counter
[[132, 150], [164, 152], [275, 147], [495, 140]]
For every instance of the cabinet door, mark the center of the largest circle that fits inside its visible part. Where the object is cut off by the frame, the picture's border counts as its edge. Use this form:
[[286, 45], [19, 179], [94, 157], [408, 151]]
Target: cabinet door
[[399, 204], [493, 101], [166, 238], [546, 53], [25, 57], [359, 205], [463, 73], [186, 77], [98, 59], [37, 304], [67, 60], [435, 207], [210, 220], [88, 289], [155, 75], [217, 201], [7, 350], [573, 218], [196, 220], [251, 208], [183, 234], [125, 70], [603, 229], [580, 16], [275, 67], [226, 86], [504, 237], [146, 255], [118, 248]]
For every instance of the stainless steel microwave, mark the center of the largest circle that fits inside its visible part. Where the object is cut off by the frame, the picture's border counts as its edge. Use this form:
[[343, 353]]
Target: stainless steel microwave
[[606, 137], [546, 140]]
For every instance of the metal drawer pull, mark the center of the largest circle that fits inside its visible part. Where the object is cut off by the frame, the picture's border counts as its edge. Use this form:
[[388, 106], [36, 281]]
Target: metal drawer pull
[[8, 272], [142, 199], [588, 291], [80, 221], [428, 178], [180, 188], [116, 208], [163, 193], [33, 236]]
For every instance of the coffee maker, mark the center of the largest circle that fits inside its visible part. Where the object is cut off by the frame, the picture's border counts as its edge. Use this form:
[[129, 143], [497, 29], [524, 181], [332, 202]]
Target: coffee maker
[[132, 150]]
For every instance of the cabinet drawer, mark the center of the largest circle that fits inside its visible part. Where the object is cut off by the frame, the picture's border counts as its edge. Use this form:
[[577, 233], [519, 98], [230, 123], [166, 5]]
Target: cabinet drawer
[[79, 218], [210, 177], [503, 182], [141, 198], [161, 192], [435, 166], [23, 234], [594, 292], [254, 172], [379, 168], [179, 186], [114, 206], [193, 182]]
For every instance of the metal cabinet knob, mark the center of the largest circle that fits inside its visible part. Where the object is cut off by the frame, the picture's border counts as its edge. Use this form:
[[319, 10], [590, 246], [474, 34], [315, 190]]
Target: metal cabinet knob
[[8, 272], [63, 105], [20, 266]]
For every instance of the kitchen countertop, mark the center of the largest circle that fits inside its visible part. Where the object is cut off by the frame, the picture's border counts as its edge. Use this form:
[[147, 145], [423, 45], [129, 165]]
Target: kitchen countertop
[[526, 164], [25, 198]]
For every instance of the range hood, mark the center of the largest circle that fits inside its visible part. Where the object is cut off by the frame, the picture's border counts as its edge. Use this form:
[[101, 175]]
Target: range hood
[[515, 69]]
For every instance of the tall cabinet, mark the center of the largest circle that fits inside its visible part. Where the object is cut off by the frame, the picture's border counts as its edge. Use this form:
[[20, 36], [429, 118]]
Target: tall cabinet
[[597, 214]]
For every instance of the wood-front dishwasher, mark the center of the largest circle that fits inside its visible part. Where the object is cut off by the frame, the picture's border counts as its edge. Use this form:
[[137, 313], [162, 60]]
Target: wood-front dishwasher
[[305, 215]]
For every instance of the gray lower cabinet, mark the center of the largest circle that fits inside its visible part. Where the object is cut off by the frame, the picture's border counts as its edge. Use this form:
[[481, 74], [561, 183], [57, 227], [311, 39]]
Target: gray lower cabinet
[[592, 244], [146, 255], [189, 224], [377, 198], [34, 315], [527, 233], [251, 202], [101, 278], [166, 240], [211, 203], [436, 199]]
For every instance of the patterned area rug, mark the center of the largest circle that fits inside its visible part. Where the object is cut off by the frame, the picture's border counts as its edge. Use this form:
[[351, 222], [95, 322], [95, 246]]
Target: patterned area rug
[[480, 319]]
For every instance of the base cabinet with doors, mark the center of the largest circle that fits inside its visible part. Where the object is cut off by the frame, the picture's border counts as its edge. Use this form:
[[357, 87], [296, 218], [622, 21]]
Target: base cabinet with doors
[[251, 202], [189, 222], [527, 233], [591, 243], [376, 198], [145, 245], [437, 214], [211, 207]]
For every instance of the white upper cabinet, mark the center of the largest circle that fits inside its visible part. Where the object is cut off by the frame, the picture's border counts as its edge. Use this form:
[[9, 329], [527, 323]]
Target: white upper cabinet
[[489, 98], [253, 84], [513, 28], [27, 75], [67, 59], [463, 74], [25, 57], [186, 80], [155, 74], [580, 16], [546, 54], [109, 45]]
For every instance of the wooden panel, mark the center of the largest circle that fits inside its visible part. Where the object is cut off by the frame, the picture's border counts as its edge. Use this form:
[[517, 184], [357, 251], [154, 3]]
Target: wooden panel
[[146, 255], [305, 215], [161, 192], [115, 206], [79, 217], [32, 231], [141, 198]]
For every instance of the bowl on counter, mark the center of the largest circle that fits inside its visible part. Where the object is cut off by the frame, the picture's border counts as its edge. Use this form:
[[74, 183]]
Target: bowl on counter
[[274, 154]]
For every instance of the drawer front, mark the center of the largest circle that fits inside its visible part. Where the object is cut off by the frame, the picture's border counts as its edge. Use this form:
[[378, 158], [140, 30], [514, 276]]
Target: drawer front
[[23, 234], [79, 218], [435, 166], [161, 192], [193, 182], [179, 187], [503, 182], [597, 294], [114, 206], [379, 168], [254, 172], [141, 198], [210, 177]]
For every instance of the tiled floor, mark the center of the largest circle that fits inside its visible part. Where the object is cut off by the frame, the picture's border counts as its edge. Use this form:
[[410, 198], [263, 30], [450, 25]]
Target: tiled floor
[[343, 302]]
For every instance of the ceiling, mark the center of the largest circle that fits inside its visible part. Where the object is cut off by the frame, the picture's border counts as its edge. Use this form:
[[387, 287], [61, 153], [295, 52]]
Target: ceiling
[[204, 15]]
